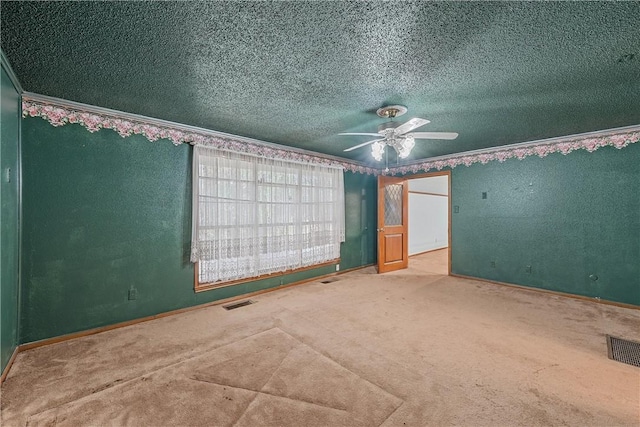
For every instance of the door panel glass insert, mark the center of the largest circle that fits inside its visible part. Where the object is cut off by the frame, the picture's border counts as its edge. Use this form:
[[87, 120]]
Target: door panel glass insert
[[393, 204]]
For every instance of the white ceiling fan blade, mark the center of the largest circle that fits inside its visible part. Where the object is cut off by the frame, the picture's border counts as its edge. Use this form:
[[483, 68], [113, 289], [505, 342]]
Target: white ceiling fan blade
[[363, 144], [434, 135], [412, 124], [368, 134]]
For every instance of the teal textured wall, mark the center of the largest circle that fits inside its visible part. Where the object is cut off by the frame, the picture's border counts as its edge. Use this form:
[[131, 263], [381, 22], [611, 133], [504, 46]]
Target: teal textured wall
[[571, 218], [104, 213], [361, 204], [9, 217]]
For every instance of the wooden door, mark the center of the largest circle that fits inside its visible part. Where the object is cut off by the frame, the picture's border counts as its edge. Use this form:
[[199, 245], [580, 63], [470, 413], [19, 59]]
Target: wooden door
[[393, 225]]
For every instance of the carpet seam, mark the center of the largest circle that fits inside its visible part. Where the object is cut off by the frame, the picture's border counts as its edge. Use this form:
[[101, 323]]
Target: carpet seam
[[392, 412], [258, 393], [120, 384], [269, 394], [339, 364]]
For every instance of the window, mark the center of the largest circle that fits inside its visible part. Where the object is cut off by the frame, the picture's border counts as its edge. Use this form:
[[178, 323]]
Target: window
[[254, 216]]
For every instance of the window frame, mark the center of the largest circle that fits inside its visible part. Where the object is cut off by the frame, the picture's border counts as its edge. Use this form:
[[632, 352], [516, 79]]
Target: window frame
[[207, 286], [255, 186]]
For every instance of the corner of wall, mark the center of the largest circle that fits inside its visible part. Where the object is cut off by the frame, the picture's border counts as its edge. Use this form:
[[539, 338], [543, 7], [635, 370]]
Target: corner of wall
[[11, 215]]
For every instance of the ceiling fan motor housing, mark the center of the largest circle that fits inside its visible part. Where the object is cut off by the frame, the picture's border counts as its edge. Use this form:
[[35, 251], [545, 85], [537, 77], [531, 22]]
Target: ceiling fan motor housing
[[388, 127]]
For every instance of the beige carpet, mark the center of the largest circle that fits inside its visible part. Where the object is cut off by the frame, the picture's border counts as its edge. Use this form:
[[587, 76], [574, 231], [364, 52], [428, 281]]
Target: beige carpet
[[405, 348]]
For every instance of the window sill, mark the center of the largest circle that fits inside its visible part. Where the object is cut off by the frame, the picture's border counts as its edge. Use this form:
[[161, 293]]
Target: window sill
[[202, 287]]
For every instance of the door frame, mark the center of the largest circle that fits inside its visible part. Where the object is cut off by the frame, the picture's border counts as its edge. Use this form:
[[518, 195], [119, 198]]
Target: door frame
[[431, 175]]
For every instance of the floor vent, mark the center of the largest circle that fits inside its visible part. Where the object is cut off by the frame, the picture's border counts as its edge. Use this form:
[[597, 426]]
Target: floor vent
[[623, 350], [238, 304]]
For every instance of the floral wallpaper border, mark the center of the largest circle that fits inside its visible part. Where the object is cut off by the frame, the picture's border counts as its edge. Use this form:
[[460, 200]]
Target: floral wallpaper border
[[58, 115], [542, 149]]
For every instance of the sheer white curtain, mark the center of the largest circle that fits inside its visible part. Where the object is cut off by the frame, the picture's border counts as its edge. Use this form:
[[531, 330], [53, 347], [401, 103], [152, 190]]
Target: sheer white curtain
[[254, 216]]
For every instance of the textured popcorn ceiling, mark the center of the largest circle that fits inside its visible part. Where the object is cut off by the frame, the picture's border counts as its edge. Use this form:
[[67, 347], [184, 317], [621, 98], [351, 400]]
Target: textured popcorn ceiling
[[298, 73]]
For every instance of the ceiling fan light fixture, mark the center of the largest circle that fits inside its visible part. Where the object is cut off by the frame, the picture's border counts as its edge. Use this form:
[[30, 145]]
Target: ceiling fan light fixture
[[405, 146], [399, 136], [402, 145], [377, 150]]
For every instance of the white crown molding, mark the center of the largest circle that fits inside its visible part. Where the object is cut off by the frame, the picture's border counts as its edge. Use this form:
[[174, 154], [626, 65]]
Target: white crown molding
[[59, 112], [590, 141]]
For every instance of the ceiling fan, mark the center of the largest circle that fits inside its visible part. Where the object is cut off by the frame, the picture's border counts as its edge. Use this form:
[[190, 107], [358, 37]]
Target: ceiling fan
[[397, 135]]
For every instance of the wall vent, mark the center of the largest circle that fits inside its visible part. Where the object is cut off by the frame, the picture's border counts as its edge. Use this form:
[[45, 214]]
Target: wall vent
[[235, 305], [623, 350]]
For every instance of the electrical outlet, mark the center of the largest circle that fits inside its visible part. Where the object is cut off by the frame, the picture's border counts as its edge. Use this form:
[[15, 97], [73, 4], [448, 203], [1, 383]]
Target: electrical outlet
[[528, 269], [484, 194], [133, 294], [456, 209], [493, 264], [337, 267]]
